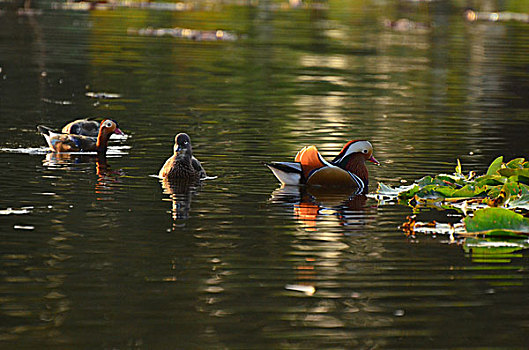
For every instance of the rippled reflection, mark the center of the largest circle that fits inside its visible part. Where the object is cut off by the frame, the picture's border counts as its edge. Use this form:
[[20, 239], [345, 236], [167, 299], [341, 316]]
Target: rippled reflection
[[314, 207], [242, 268], [180, 193]]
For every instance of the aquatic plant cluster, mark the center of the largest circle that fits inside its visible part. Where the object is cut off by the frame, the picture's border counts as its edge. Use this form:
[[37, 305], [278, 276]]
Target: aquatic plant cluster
[[491, 205]]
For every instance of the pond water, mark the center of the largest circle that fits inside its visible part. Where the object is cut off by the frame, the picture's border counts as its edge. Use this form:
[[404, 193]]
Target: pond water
[[96, 255]]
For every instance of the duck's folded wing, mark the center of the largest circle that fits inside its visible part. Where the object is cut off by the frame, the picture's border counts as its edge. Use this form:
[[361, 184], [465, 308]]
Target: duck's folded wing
[[310, 160], [198, 167], [288, 173], [82, 127]]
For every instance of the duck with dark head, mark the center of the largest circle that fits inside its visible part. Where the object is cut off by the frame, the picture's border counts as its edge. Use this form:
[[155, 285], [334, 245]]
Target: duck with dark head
[[182, 165]]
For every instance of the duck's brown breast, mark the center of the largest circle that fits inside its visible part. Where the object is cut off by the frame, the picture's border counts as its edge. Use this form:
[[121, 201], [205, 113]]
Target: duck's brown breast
[[175, 168]]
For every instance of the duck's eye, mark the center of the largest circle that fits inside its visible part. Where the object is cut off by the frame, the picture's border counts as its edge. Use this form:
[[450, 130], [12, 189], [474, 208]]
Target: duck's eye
[[108, 124], [365, 151]]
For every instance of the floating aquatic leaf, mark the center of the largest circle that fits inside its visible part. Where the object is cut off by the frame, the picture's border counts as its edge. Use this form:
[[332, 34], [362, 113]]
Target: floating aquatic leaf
[[516, 163], [509, 172], [495, 166], [497, 222], [489, 180], [393, 192]]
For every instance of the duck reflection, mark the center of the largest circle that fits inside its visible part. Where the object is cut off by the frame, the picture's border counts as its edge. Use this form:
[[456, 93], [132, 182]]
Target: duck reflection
[[107, 178], [180, 193], [67, 161], [311, 202]]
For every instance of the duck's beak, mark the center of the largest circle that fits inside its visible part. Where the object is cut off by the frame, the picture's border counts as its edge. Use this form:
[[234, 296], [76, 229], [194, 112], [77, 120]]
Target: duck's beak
[[373, 160], [118, 132]]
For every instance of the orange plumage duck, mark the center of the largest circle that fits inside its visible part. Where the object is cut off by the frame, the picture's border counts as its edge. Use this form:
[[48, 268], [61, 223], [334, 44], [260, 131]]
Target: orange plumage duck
[[65, 142], [346, 170]]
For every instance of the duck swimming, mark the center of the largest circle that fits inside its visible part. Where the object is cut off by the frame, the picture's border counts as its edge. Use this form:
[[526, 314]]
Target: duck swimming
[[62, 142], [346, 170], [182, 164], [86, 127]]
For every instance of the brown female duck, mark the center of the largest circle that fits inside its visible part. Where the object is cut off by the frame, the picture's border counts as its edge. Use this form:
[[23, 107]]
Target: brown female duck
[[182, 164], [60, 142]]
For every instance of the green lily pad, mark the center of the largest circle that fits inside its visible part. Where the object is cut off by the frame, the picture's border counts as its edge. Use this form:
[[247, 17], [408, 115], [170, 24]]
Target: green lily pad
[[497, 222]]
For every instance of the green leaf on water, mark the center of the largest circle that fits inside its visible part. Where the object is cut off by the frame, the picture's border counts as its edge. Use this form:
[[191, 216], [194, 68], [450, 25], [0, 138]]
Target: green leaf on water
[[508, 172], [492, 180], [497, 222], [386, 192], [495, 166], [515, 163], [469, 190]]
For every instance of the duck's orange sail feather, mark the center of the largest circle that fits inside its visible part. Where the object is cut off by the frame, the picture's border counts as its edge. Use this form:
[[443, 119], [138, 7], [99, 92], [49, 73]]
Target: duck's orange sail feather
[[310, 160]]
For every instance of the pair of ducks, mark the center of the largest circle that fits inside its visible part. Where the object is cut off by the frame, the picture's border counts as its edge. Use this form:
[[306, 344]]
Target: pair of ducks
[[346, 170]]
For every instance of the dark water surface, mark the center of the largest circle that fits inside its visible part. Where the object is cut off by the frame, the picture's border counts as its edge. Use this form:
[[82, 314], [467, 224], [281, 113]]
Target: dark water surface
[[97, 256]]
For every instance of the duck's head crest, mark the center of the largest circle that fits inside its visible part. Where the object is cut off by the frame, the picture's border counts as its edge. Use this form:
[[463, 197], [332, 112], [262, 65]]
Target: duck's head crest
[[356, 147]]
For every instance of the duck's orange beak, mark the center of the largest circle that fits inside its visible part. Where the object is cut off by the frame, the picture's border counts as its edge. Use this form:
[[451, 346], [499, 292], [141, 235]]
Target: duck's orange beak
[[118, 132], [373, 160]]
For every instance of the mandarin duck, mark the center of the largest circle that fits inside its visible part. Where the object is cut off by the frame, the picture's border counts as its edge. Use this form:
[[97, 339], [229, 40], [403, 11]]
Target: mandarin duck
[[61, 142], [346, 170], [84, 127], [182, 164]]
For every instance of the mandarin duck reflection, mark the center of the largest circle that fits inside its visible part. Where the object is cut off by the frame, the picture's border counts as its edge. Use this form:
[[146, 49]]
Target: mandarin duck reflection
[[182, 165], [62, 142], [347, 170]]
